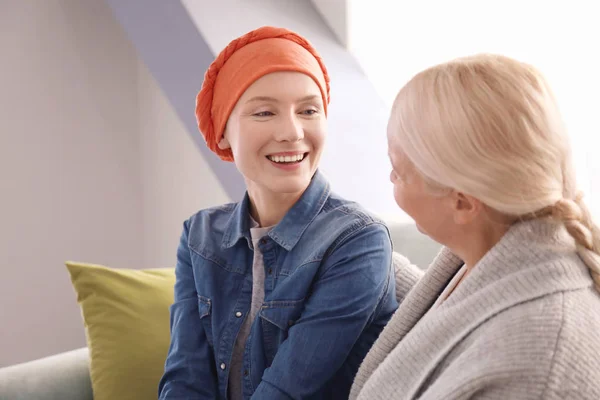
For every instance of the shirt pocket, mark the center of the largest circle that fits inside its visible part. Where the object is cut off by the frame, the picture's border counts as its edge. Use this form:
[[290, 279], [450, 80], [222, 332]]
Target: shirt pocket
[[277, 317], [204, 312]]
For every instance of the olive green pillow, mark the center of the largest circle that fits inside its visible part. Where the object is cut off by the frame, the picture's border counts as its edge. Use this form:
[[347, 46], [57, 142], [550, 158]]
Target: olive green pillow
[[126, 318]]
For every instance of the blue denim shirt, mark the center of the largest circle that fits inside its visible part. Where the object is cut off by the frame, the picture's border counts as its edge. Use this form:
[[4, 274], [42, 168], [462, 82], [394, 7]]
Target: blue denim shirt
[[329, 291]]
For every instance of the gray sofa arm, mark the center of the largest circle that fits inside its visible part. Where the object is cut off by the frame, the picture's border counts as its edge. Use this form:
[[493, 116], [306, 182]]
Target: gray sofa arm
[[63, 376], [409, 242]]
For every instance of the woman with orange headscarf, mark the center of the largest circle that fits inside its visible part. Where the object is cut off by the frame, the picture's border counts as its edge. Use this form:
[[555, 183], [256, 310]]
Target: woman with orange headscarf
[[282, 294]]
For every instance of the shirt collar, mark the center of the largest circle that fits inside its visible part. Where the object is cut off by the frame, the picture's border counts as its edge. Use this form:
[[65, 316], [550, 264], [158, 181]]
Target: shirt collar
[[289, 230]]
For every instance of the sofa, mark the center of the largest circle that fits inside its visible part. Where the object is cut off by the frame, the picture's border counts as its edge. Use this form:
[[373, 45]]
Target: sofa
[[66, 376]]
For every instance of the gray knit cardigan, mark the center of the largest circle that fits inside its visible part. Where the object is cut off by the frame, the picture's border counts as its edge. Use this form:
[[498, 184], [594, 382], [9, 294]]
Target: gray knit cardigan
[[524, 324]]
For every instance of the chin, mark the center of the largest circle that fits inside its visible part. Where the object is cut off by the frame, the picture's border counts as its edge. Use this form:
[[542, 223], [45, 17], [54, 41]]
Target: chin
[[422, 231], [290, 184]]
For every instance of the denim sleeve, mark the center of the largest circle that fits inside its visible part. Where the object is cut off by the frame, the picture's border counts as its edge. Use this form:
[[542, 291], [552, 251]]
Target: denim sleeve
[[355, 276], [189, 369]]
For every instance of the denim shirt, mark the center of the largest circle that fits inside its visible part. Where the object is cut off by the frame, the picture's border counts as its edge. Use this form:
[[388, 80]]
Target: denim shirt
[[329, 291]]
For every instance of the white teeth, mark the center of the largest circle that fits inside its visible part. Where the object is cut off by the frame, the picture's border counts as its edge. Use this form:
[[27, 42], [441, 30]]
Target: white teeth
[[287, 159]]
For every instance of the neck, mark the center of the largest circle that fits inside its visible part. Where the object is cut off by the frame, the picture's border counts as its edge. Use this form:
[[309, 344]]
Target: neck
[[268, 208], [475, 244]]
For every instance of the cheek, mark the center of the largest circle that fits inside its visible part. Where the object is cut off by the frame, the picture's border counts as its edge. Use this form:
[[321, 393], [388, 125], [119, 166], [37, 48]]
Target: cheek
[[412, 201], [244, 157], [247, 145], [400, 196], [317, 133]]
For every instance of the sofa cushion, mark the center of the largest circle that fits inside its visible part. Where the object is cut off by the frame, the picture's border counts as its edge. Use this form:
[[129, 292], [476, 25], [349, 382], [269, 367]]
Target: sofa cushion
[[126, 318]]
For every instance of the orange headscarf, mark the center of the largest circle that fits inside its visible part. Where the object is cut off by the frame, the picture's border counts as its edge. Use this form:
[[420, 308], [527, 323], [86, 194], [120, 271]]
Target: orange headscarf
[[241, 63]]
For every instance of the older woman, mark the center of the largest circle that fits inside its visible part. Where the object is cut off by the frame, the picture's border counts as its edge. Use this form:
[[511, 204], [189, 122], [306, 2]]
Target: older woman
[[510, 308]]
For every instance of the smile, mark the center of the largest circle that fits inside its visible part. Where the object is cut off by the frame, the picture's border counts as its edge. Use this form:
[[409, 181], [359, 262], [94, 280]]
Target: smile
[[287, 158]]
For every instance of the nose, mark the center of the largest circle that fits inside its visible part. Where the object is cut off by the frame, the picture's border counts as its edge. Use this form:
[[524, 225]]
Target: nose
[[291, 129]]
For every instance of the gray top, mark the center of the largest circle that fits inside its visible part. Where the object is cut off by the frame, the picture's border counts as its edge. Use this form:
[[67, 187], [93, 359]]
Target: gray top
[[524, 324], [258, 296]]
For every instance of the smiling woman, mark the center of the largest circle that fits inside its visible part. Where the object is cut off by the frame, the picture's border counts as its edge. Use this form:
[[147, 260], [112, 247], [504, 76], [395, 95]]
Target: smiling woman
[[282, 294], [277, 140]]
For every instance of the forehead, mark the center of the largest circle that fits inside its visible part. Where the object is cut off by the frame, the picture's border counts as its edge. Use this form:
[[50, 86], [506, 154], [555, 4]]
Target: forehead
[[400, 162], [282, 84], [393, 142]]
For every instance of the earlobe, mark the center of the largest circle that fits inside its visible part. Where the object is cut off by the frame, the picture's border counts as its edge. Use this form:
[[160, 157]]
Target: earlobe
[[224, 144]]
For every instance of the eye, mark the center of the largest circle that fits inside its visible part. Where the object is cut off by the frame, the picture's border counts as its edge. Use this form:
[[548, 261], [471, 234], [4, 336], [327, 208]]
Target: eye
[[310, 111], [263, 114]]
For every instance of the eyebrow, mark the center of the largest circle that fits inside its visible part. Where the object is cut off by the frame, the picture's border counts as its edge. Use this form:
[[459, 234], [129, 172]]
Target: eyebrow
[[274, 100]]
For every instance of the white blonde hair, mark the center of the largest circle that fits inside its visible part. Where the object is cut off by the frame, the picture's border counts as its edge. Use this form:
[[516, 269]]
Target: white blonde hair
[[489, 126]]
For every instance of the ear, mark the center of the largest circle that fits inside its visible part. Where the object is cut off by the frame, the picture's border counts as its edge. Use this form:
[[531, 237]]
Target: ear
[[224, 143], [465, 208]]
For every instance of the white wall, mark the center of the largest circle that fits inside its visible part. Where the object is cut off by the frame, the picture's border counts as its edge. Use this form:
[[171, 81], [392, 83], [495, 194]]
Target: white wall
[[69, 166], [177, 182], [395, 40], [335, 14], [94, 166]]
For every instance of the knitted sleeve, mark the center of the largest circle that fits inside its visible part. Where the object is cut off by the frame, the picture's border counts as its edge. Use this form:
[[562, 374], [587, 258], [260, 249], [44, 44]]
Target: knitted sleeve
[[407, 275]]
